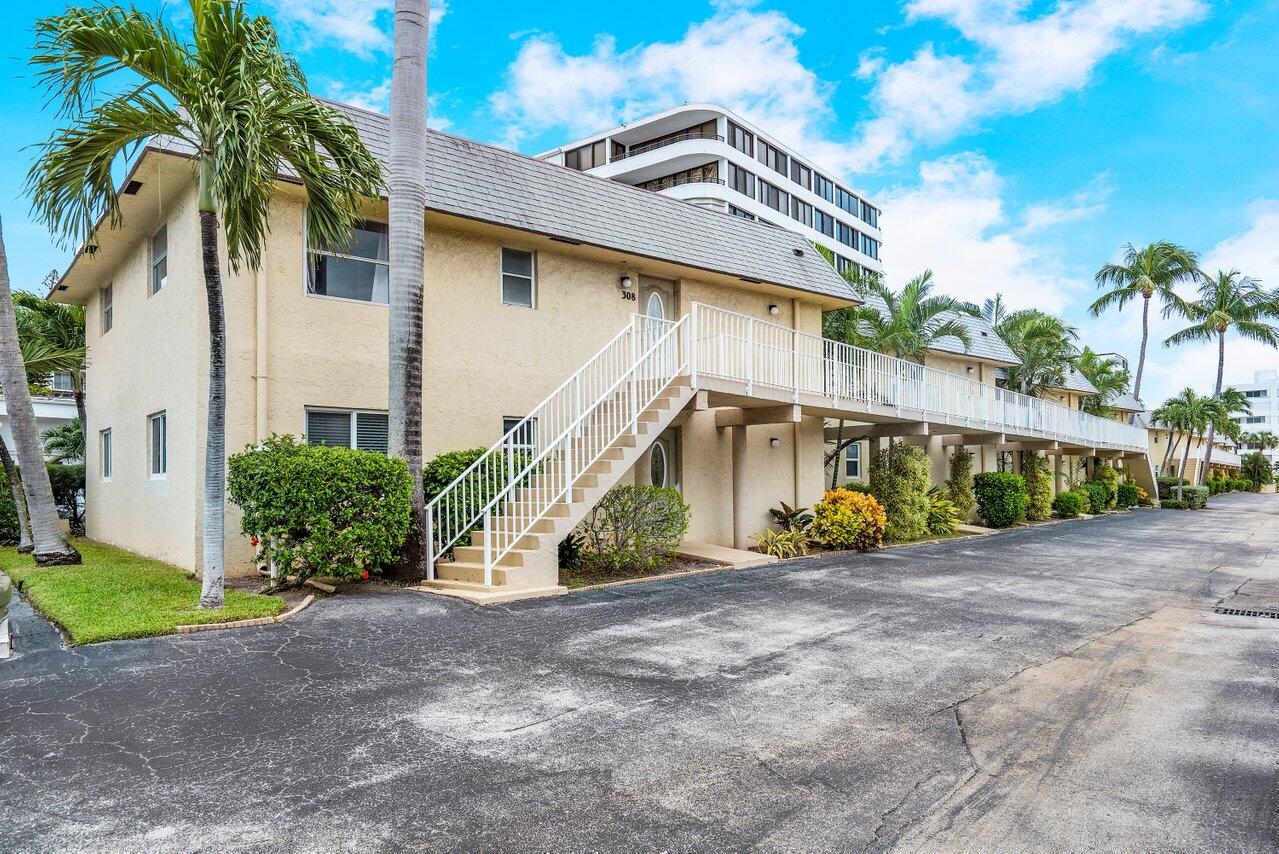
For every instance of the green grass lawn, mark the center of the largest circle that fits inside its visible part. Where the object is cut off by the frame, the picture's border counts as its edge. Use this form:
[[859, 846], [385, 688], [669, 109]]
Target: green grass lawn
[[116, 594]]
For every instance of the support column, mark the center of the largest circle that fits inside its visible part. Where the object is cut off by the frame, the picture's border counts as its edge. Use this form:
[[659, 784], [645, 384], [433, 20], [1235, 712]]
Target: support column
[[1090, 467], [937, 456], [1059, 474], [740, 533]]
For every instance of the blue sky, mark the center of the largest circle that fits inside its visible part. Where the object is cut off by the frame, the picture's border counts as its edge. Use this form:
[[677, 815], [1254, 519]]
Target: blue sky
[[1014, 145]]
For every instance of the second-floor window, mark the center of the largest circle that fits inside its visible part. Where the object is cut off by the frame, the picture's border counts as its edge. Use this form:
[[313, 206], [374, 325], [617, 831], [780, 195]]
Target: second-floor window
[[518, 278], [801, 211], [741, 180], [742, 140], [870, 246], [776, 199], [824, 222], [586, 157], [105, 308], [159, 260], [359, 270], [62, 381], [847, 235]]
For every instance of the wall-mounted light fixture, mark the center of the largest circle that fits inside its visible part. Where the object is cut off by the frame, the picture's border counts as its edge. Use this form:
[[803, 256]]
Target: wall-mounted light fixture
[[773, 309], [774, 442], [626, 283], [969, 369]]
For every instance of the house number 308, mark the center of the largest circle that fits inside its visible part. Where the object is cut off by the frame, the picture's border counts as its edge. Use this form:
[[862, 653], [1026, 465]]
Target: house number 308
[[628, 295]]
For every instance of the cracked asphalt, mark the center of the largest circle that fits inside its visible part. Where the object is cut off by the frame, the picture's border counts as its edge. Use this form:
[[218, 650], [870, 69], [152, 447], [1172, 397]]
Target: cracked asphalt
[[1065, 687]]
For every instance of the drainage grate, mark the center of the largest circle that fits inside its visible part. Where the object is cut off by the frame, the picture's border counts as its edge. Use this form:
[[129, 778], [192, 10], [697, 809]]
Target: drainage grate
[[1246, 612]]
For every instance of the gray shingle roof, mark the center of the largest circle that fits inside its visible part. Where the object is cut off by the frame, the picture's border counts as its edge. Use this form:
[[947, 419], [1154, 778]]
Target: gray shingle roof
[[1077, 382], [1126, 403], [985, 343], [482, 182]]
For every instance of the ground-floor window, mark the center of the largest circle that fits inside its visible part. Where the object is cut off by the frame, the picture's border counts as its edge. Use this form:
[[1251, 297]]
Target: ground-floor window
[[347, 428], [525, 436], [853, 460], [158, 442], [104, 453]]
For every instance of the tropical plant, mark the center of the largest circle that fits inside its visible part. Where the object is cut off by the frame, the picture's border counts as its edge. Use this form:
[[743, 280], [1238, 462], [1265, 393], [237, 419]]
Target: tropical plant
[[1262, 440], [1001, 498], [844, 519], [1039, 487], [789, 518], [49, 546], [242, 106], [56, 329], [1256, 467], [1070, 505], [959, 485], [65, 442], [407, 251], [1150, 272], [1189, 415], [1043, 346], [943, 515], [1107, 374], [1229, 301], [782, 544], [899, 479], [633, 529]]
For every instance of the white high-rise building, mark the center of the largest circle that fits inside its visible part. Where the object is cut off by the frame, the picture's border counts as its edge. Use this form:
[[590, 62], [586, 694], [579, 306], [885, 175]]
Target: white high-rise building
[[1263, 394], [711, 157]]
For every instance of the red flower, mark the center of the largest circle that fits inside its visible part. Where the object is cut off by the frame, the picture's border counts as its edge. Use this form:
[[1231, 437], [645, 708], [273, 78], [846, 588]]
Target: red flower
[[253, 541], [365, 575]]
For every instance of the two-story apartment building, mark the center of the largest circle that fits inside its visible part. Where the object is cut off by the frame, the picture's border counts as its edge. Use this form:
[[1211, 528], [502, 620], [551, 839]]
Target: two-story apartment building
[[612, 335], [709, 156]]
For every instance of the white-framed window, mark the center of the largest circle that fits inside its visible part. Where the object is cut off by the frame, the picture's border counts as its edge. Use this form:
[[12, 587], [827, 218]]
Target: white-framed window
[[104, 453], [362, 429], [359, 270], [523, 439], [159, 260], [853, 460], [62, 381], [105, 308], [158, 443], [519, 287]]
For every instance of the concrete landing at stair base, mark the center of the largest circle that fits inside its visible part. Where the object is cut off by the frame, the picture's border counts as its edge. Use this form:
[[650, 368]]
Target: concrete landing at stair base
[[480, 595], [723, 555]]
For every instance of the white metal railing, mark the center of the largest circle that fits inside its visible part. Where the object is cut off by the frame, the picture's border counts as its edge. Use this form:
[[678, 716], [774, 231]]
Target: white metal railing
[[523, 474], [762, 354]]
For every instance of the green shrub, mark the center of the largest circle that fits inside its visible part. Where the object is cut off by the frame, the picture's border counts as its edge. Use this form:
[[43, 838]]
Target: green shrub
[[943, 515], [1098, 495], [960, 483], [1195, 496], [782, 544], [1039, 487], [1001, 498], [633, 529], [1107, 476], [1129, 495], [321, 509], [1218, 485], [1239, 484], [67, 482], [899, 480], [1168, 485], [858, 486], [489, 479], [844, 519], [1069, 505], [1174, 504], [9, 532], [1255, 468]]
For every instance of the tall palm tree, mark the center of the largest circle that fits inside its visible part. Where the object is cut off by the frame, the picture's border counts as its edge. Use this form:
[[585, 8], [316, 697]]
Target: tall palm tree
[[1149, 272], [60, 327], [1227, 301], [1044, 346], [905, 324], [1107, 374], [407, 185], [1190, 415], [48, 544], [242, 105]]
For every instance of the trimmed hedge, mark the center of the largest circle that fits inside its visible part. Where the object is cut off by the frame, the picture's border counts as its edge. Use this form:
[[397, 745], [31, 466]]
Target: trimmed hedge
[[1069, 505], [844, 519], [1001, 498], [899, 479], [1129, 495], [1193, 498], [321, 509], [1039, 487], [1098, 495]]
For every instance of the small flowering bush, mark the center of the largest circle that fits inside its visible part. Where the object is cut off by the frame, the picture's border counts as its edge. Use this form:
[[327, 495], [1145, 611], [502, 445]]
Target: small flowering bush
[[844, 519], [321, 510]]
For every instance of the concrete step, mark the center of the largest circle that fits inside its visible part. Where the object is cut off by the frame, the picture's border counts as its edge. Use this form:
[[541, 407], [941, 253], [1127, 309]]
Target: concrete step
[[475, 554]]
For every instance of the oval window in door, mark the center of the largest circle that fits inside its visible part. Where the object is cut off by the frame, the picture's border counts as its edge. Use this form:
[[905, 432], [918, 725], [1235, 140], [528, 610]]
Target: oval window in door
[[657, 465], [656, 307]]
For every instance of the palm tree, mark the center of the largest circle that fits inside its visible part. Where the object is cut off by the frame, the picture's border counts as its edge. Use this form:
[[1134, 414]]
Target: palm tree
[[905, 324], [994, 309], [1190, 414], [1154, 270], [65, 442], [1042, 343], [48, 544], [1107, 374], [407, 234], [243, 108], [1228, 301], [1264, 440], [60, 328]]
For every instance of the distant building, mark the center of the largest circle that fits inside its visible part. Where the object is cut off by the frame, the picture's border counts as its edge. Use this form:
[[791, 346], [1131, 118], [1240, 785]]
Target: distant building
[[51, 411], [1263, 394]]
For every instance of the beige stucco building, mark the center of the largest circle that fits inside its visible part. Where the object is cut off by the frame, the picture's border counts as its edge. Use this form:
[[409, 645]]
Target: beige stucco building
[[534, 277]]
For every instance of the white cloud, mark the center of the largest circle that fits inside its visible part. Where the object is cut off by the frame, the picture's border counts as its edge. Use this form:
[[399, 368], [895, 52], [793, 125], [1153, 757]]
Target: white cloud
[[743, 59], [362, 27], [377, 97], [1021, 63], [954, 221], [1088, 201]]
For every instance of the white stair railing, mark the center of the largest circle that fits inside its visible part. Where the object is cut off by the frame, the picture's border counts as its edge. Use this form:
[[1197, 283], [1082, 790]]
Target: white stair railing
[[522, 475], [766, 355]]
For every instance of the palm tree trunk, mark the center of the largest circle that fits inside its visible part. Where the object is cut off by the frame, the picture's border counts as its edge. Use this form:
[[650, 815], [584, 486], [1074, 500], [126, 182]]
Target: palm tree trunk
[[1216, 393], [407, 233], [839, 437], [1168, 452], [214, 564], [77, 393], [19, 502], [1145, 337], [1185, 459], [49, 546]]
